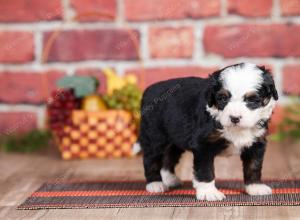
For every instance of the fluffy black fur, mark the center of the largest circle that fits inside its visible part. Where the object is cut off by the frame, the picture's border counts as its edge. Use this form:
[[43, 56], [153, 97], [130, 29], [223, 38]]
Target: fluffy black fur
[[174, 119]]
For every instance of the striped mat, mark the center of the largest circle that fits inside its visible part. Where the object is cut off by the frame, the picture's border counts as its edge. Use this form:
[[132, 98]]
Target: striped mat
[[126, 194]]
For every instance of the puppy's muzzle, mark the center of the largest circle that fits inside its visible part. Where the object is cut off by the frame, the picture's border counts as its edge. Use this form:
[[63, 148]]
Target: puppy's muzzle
[[235, 119]]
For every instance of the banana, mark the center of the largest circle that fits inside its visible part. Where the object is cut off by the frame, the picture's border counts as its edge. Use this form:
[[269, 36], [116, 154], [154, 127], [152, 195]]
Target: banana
[[115, 82]]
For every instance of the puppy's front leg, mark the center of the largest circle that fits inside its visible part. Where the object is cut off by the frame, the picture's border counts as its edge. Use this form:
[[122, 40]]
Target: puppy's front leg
[[252, 165], [204, 177]]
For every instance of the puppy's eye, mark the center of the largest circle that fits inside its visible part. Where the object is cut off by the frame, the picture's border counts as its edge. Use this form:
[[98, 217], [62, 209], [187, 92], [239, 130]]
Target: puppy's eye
[[222, 98], [252, 99]]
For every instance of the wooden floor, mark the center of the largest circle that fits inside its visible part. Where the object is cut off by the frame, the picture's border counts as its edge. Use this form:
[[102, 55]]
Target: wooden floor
[[20, 175]]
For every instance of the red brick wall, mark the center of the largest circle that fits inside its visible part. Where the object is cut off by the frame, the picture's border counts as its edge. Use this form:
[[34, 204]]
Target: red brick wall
[[172, 38]]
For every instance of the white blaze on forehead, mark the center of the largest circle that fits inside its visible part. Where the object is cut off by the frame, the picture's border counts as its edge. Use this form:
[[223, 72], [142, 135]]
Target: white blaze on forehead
[[241, 79]]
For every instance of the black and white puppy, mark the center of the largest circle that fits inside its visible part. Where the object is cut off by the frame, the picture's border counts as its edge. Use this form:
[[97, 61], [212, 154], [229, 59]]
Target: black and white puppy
[[227, 113]]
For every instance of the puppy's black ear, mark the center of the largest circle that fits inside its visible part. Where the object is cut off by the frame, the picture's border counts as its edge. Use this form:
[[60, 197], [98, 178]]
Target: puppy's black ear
[[269, 82], [212, 88]]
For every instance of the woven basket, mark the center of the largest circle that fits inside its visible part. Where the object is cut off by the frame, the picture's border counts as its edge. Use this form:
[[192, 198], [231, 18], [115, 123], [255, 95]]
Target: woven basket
[[105, 134]]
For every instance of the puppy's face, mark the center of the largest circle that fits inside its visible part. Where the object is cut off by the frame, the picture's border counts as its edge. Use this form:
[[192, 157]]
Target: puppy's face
[[242, 95]]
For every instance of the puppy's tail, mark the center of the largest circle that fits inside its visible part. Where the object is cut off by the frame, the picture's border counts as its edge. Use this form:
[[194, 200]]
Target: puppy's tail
[[136, 149]]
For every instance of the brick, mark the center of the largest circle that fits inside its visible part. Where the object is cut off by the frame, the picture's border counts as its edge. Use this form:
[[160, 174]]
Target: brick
[[27, 87], [277, 40], [276, 119], [171, 42], [17, 122], [30, 10], [149, 76], [291, 79], [169, 9], [94, 45], [290, 7], [250, 8], [96, 73], [94, 10], [16, 47]]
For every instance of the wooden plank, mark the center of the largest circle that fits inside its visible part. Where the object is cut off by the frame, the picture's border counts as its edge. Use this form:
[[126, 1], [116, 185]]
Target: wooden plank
[[22, 174]]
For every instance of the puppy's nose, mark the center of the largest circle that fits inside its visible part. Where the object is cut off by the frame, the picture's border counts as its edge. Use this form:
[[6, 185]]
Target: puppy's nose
[[235, 119]]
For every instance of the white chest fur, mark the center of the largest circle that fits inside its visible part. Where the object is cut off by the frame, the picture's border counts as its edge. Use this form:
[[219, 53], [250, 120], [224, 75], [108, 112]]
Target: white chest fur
[[240, 138]]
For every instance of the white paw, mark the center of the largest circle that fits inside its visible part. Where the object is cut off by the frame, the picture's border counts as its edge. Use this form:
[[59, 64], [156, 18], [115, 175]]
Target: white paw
[[170, 179], [207, 191], [156, 187], [136, 149], [258, 189], [210, 195]]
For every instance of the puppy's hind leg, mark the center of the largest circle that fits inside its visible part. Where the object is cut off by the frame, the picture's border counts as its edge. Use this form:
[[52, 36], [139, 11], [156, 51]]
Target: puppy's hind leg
[[153, 157], [171, 158]]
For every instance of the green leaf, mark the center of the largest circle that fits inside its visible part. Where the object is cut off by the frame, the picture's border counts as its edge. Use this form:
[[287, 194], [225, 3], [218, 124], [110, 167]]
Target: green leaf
[[26, 143], [290, 125], [82, 85], [288, 121], [277, 137], [295, 134]]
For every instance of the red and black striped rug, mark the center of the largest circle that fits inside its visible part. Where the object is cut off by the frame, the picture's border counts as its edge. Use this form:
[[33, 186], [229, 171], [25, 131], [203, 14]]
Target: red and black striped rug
[[126, 194]]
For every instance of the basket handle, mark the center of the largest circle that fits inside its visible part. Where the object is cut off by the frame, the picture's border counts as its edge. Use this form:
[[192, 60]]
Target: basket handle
[[56, 33]]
